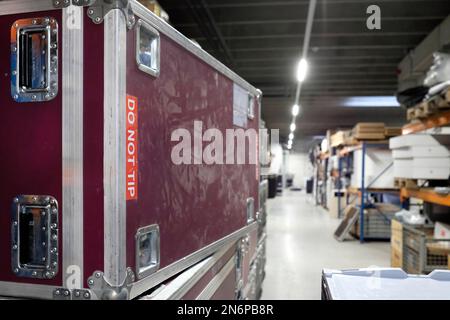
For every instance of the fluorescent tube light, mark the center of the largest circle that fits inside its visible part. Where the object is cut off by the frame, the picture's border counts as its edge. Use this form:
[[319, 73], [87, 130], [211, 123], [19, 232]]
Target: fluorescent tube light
[[302, 70], [295, 110], [293, 127]]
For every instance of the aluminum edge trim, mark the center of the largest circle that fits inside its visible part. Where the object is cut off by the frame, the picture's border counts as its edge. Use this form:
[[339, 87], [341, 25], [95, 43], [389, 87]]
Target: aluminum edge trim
[[192, 275], [146, 15], [114, 143], [26, 290], [177, 288], [8, 7], [218, 279], [72, 148], [145, 284]]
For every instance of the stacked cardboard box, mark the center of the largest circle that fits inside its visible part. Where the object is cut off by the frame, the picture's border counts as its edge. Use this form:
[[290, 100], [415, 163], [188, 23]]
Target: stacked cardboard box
[[155, 7], [390, 132], [340, 138], [421, 156], [369, 131]]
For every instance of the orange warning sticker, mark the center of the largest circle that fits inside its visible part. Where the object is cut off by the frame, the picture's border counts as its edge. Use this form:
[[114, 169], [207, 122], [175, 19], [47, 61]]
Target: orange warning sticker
[[132, 148]]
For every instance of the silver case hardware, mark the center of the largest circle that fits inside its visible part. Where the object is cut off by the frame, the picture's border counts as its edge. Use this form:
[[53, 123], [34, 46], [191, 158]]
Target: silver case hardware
[[153, 250], [104, 291], [76, 294], [251, 106], [155, 49], [61, 294], [48, 57], [48, 234], [250, 210], [60, 4], [100, 8]]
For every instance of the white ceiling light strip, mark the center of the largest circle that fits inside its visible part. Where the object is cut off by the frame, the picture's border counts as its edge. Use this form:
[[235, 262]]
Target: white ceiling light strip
[[302, 68]]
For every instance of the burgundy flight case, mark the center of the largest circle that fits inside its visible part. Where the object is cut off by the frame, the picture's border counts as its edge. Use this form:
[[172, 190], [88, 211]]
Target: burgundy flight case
[[91, 204]]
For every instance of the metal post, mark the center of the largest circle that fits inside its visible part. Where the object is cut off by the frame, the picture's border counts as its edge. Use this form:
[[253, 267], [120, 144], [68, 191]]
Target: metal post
[[363, 193], [347, 157], [405, 204], [339, 186]]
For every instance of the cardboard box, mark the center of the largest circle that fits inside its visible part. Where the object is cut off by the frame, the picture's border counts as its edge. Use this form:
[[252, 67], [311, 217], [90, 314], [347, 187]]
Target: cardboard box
[[156, 8], [369, 131], [396, 258], [396, 244], [340, 138], [392, 132]]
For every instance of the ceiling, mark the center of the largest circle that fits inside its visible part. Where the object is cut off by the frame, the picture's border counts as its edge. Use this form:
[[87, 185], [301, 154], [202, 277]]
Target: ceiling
[[261, 40]]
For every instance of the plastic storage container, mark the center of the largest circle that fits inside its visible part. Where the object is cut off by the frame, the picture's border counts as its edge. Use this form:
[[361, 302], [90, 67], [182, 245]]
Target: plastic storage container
[[384, 284]]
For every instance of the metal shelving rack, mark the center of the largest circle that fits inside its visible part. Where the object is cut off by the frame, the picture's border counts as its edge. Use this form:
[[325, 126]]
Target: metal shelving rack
[[364, 190], [426, 194], [320, 184]]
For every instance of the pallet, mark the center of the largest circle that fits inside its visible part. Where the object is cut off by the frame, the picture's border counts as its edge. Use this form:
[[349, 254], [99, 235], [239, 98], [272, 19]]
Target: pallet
[[405, 183], [429, 108]]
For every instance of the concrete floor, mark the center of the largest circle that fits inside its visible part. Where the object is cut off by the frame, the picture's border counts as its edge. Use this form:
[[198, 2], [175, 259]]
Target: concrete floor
[[300, 244]]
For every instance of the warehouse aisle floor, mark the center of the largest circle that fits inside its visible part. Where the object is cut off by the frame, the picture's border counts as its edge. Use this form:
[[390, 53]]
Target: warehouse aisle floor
[[300, 244]]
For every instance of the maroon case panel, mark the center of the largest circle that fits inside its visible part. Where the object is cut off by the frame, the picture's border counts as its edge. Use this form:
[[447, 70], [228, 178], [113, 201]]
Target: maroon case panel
[[93, 147], [227, 291], [31, 148], [194, 205]]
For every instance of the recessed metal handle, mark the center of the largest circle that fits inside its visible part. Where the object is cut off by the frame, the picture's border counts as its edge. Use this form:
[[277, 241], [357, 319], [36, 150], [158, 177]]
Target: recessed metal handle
[[147, 250], [34, 60], [250, 210], [148, 48], [34, 224]]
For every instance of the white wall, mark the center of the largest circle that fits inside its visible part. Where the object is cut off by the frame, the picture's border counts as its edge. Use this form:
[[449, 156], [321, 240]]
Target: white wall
[[299, 165], [276, 163]]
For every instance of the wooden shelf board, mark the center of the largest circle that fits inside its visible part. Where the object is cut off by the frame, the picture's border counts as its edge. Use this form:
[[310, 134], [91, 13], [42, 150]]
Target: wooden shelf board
[[373, 190], [427, 195], [437, 120]]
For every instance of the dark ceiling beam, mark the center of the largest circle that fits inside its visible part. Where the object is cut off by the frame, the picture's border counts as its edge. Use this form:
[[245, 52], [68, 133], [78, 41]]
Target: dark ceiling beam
[[207, 24], [272, 59], [350, 86], [335, 72], [202, 26], [348, 91], [330, 76], [397, 53], [326, 74], [324, 48], [241, 4], [398, 42], [321, 35], [424, 26], [319, 20], [326, 81], [217, 31], [229, 4], [308, 98], [319, 66]]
